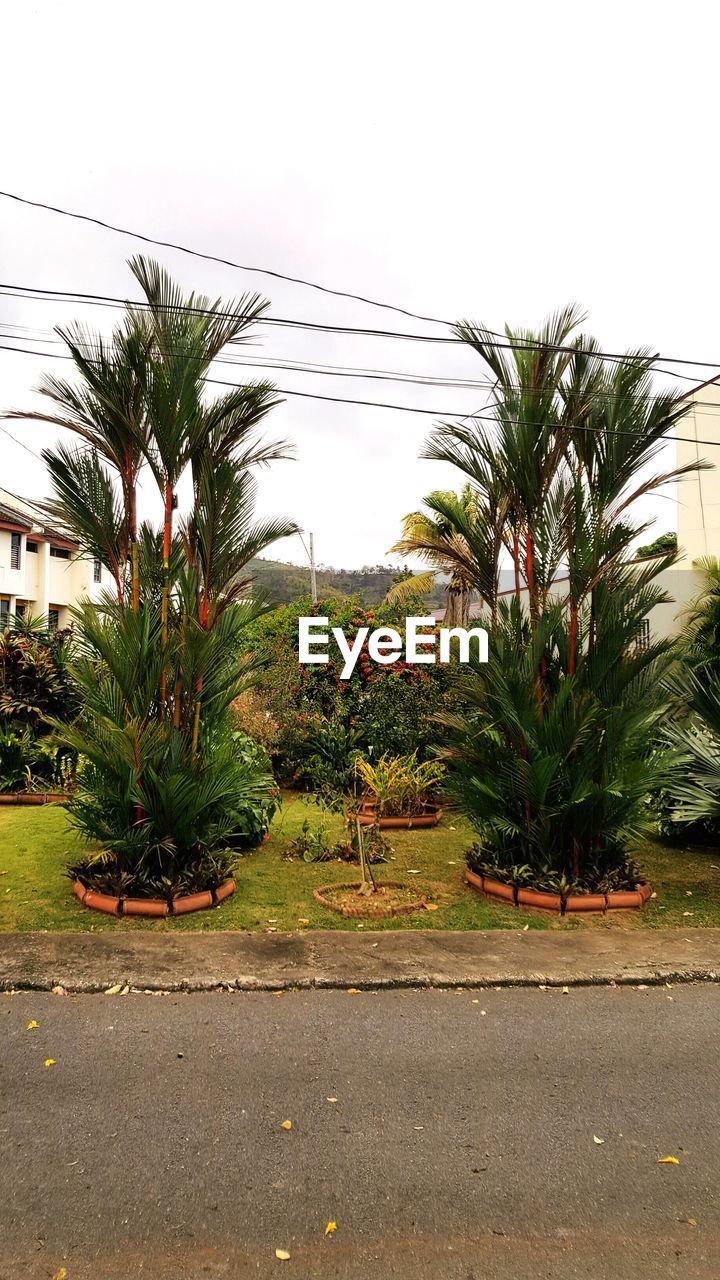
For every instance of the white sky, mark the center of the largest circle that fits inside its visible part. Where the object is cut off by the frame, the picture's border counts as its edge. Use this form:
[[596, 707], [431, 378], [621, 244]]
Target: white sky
[[489, 161]]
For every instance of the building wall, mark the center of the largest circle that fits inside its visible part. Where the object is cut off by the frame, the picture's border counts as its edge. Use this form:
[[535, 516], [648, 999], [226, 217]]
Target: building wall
[[45, 582], [698, 497]]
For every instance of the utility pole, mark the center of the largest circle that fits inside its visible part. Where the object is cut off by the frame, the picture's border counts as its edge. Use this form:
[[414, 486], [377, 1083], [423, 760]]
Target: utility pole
[[313, 575]]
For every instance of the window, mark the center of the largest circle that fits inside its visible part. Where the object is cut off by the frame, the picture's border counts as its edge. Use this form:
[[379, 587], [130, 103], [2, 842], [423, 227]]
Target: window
[[97, 571], [60, 553], [4, 611], [15, 550], [20, 609], [53, 619], [643, 636], [31, 546]]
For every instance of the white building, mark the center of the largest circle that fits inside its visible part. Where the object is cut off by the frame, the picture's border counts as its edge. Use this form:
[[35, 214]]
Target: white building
[[41, 573]]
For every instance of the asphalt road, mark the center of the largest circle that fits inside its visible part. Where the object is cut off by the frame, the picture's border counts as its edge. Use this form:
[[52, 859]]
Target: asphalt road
[[460, 1145]]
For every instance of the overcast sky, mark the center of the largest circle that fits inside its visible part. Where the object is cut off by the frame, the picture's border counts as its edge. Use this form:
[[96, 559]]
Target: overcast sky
[[489, 161]]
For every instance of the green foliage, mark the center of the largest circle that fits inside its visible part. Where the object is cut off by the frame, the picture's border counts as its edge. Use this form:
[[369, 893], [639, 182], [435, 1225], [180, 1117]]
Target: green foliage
[[400, 786], [169, 789], [35, 686], [28, 764], [324, 722], [662, 544], [551, 755]]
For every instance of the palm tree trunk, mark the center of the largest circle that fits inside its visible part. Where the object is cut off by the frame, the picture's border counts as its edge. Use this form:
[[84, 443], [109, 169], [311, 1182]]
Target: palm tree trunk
[[165, 608]]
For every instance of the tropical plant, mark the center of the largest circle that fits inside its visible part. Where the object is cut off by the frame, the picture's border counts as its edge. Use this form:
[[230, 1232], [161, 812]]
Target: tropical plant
[[551, 758], [35, 686], [400, 786], [166, 790], [439, 541]]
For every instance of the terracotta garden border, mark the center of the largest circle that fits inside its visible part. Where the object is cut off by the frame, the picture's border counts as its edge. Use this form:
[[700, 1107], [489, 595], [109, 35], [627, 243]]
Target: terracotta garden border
[[367, 817], [152, 906], [33, 797], [376, 913], [616, 900]]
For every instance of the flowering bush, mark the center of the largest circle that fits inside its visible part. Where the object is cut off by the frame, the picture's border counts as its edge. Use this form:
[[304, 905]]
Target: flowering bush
[[325, 722]]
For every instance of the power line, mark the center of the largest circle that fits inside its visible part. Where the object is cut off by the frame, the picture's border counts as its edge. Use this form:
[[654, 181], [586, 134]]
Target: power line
[[211, 257], [35, 293], [398, 408]]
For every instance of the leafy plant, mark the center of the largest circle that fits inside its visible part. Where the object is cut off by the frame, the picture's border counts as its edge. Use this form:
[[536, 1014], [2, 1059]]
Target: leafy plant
[[166, 789], [550, 755], [400, 786]]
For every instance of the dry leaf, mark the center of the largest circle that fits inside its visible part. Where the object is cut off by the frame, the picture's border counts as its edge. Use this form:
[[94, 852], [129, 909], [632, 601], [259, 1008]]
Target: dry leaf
[[331, 1226], [60, 1274], [282, 1254], [525, 928], [59, 991], [115, 990], [331, 1099], [598, 1141], [692, 1222], [566, 991], [31, 1026], [286, 1124], [49, 1062], [667, 1160], [353, 991], [303, 920], [431, 906], [125, 991]]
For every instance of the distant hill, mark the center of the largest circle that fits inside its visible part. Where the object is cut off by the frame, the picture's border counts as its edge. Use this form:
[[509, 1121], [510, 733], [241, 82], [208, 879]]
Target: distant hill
[[285, 582]]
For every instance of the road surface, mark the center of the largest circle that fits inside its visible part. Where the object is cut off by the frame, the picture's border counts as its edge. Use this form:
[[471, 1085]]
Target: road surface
[[447, 1134]]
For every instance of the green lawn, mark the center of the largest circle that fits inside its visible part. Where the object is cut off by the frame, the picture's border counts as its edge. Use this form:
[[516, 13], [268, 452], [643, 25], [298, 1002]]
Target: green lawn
[[274, 894]]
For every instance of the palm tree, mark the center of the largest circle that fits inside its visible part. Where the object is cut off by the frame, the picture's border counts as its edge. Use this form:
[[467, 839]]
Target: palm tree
[[551, 758], [164, 786], [432, 536]]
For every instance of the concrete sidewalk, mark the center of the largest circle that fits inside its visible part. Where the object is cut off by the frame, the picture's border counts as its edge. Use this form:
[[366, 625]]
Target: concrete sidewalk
[[330, 958]]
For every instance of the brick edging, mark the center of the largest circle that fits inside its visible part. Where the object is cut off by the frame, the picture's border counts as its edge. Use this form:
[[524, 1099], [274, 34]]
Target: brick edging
[[369, 913], [536, 900], [155, 907], [33, 797]]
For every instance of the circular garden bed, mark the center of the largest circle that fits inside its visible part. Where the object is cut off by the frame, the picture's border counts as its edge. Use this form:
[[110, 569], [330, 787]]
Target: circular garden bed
[[391, 898], [152, 906], [367, 817], [536, 900], [33, 797]]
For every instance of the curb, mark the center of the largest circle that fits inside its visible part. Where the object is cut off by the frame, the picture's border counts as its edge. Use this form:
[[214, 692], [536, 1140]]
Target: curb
[[241, 985]]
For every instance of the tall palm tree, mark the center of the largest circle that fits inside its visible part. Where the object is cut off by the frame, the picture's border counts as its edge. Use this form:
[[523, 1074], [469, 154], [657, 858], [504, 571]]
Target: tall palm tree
[[551, 760], [164, 784], [430, 535]]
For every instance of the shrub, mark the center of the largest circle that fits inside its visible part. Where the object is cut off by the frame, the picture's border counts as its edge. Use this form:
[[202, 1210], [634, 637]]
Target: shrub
[[400, 786]]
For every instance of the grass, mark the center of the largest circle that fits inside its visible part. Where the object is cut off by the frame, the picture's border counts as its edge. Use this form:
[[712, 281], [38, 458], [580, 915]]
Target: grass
[[272, 893]]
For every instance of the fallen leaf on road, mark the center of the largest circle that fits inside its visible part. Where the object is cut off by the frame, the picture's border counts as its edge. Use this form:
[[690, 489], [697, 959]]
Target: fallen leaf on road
[[282, 1254], [691, 1222], [286, 1124], [59, 991], [331, 1099], [331, 1226], [353, 991], [566, 991], [418, 1128], [125, 991], [598, 1141], [114, 990], [31, 1026], [525, 928], [667, 1160], [60, 1274], [49, 1062]]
